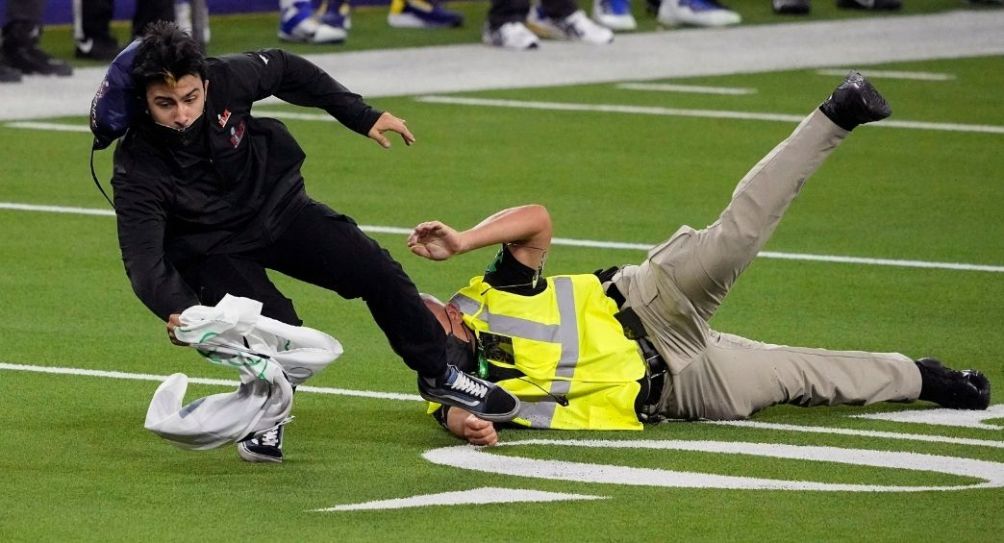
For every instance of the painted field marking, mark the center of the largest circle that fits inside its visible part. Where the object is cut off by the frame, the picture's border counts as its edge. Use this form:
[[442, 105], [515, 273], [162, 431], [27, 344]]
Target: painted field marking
[[872, 433], [480, 459], [596, 244], [600, 108], [962, 419], [701, 113], [59, 127], [201, 381], [476, 496], [959, 418], [892, 74], [696, 89]]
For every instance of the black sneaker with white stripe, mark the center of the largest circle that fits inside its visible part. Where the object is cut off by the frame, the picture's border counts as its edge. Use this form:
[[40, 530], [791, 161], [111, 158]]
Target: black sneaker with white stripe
[[457, 389], [264, 446]]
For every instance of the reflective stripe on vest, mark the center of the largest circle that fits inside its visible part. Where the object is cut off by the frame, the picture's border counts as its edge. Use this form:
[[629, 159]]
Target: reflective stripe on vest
[[565, 335]]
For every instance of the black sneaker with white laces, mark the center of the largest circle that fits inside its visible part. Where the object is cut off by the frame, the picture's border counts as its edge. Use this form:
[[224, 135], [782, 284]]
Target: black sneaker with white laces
[[484, 399], [264, 446], [966, 389]]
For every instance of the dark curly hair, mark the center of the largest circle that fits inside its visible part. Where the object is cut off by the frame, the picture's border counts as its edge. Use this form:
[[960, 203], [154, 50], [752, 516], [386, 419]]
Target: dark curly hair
[[165, 55]]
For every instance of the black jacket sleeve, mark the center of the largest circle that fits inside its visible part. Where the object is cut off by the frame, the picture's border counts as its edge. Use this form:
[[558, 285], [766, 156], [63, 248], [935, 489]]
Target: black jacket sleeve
[[140, 209], [294, 79]]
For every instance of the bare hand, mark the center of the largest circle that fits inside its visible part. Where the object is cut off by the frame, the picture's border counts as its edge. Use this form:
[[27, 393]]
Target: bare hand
[[435, 241], [390, 123], [173, 322], [479, 432]]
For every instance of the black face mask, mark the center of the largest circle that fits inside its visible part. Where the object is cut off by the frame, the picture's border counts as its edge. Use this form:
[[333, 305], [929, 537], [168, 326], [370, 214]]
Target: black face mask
[[461, 354], [184, 136]]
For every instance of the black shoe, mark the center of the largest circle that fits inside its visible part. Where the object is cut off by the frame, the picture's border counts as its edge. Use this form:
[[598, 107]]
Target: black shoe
[[791, 7], [855, 102], [967, 389], [876, 5], [31, 60], [263, 447], [482, 398], [97, 48], [9, 74], [20, 50]]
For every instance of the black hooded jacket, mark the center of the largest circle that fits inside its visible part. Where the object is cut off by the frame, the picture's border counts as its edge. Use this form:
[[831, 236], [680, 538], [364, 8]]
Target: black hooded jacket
[[231, 184]]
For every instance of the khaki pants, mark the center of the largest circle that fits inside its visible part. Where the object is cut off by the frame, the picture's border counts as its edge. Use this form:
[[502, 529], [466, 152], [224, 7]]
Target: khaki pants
[[681, 284]]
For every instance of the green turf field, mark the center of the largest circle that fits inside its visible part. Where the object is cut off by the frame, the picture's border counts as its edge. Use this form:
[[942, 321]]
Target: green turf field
[[78, 465]]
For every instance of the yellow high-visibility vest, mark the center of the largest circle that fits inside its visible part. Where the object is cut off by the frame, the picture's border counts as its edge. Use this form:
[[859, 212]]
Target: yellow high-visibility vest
[[560, 346]]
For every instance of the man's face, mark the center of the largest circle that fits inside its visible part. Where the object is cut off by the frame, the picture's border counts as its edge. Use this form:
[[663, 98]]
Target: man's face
[[178, 105]]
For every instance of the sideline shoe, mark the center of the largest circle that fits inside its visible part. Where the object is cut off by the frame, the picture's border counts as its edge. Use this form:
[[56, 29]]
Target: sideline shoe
[[338, 15], [482, 398], [966, 389], [422, 14], [9, 74], [696, 13], [575, 27], [265, 446], [791, 7], [298, 23], [855, 102], [21, 52], [512, 35], [877, 5], [614, 14], [98, 48]]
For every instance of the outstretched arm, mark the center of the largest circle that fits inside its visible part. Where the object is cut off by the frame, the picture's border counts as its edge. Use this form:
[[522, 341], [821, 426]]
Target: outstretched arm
[[465, 425], [527, 230]]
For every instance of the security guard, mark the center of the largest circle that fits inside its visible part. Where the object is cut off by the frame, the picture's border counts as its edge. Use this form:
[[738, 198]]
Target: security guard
[[629, 344]]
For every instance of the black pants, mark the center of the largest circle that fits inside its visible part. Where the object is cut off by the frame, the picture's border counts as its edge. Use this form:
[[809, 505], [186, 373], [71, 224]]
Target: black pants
[[327, 249], [508, 11], [96, 16]]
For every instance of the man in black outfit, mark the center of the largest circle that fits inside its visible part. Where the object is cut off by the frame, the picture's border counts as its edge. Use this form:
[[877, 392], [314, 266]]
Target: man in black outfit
[[208, 197], [92, 25]]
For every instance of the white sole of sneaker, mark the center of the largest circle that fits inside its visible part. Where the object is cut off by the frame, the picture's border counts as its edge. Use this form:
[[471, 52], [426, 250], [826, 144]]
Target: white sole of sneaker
[[255, 458]]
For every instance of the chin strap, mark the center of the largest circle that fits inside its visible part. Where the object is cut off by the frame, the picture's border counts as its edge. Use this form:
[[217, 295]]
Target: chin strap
[[94, 176]]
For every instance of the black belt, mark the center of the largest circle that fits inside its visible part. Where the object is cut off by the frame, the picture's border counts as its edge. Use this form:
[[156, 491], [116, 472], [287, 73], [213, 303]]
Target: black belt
[[656, 369]]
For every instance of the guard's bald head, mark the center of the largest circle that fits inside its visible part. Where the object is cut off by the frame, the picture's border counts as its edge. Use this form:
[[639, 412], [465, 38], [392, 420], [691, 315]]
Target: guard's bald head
[[438, 308]]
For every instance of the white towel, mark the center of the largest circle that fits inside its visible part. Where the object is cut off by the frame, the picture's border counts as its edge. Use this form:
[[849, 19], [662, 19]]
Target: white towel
[[271, 357]]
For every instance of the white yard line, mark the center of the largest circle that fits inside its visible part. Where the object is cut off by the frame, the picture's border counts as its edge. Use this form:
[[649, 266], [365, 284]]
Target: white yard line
[[892, 74], [80, 372], [631, 57], [106, 374], [591, 107], [59, 127], [863, 433], [699, 113], [598, 244], [695, 89]]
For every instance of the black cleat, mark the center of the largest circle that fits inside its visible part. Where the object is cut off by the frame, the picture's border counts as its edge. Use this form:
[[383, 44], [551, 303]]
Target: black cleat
[[264, 446], [966, 389], [875, 5], [20, 51], [8, 74], [482, 398], [791, 7], [32, 60], [855, 102]]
